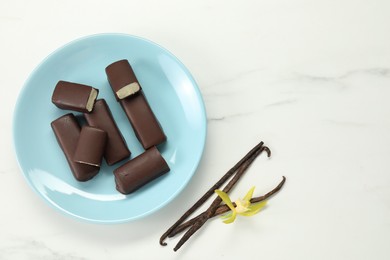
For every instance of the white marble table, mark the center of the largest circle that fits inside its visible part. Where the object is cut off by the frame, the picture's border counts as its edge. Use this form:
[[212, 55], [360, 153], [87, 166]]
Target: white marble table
[[310, 78]]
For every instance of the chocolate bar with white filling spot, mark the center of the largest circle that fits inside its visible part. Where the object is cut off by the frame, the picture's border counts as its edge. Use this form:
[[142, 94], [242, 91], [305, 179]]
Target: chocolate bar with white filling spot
[[74, 96], [122, 79], [137, 109]]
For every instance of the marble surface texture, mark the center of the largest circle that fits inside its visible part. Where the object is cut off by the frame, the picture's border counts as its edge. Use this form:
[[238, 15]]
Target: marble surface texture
[[309, 78]]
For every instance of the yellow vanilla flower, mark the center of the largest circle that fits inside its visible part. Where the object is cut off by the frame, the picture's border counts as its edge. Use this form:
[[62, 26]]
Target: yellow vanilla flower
[[243, 206]]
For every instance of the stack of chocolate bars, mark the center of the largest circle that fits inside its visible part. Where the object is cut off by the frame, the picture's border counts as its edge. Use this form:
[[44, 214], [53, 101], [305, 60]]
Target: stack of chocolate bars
[[84, 147]]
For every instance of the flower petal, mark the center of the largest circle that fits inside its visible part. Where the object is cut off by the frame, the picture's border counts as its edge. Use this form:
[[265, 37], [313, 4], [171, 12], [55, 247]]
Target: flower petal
[[231, 219], [227, 215], [254, 209], [225, 199], [249, 195]]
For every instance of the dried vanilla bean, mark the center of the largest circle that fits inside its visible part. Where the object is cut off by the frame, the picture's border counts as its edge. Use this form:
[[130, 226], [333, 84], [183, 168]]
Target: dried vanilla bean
[[214, 205], [224, 208], [257, 148]]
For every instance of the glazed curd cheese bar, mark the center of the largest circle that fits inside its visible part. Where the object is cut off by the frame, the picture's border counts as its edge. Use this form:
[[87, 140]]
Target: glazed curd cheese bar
[[128, 92], [90, 146], [139, 171], [74, 96], [67, 132], [101, 117]]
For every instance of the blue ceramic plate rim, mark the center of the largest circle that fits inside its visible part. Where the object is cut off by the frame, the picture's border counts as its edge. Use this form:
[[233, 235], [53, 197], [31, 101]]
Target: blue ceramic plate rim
[[202, 134]]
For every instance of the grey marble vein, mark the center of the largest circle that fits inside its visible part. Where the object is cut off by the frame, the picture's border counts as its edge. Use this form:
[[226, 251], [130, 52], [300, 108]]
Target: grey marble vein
[[281, 103], [227, 117], [378, 72], [233, 78], [216, 94], [322, 81], [316, 78], [210, 119], [345, 123]]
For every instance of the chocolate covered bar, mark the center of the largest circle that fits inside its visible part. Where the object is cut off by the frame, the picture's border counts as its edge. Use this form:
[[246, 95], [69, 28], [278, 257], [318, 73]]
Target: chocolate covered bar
[[73, 96], [116, 149], [140, 171], [145, 125], [90, 146], [143, 121], [122, 79], [67, 132]]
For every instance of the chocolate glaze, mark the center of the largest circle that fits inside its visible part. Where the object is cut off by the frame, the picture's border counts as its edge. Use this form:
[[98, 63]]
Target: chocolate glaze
[[67, 132], [90, 146], [116, 149], [120, 74], [145, 125], [72, 96], [140, 171], [136, 107]]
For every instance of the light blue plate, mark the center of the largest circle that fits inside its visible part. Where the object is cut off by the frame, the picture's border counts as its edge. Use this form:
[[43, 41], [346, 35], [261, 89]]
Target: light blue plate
[[173, 96]]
